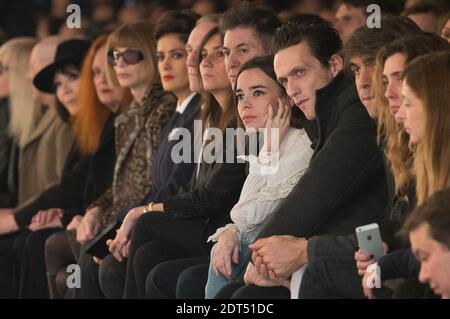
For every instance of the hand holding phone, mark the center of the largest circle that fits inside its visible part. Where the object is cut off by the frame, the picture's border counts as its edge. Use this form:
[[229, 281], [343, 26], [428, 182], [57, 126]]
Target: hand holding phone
[[369, 240]]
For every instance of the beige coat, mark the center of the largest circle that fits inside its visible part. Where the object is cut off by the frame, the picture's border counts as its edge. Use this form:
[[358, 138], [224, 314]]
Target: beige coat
[[42, 158]]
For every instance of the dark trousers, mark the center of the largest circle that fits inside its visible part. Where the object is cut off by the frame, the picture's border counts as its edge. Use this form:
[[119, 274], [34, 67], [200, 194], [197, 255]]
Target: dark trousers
[[7, 272], [335, 277], [29, 248], [330, 278], [181, 278], [112, 277], [90, 288], [238, 290], [155, 239]]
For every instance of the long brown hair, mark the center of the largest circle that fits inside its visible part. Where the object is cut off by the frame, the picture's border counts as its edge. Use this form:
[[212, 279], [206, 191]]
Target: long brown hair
[[429, 78], [397, 148], [212, 113], [92, 114]]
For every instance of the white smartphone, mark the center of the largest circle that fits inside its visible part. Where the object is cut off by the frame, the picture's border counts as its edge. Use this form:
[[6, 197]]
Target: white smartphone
[[369, 240]]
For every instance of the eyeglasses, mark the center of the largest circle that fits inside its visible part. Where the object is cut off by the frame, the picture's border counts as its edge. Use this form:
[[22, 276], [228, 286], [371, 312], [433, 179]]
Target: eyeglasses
[[129, 56], [3, 68]]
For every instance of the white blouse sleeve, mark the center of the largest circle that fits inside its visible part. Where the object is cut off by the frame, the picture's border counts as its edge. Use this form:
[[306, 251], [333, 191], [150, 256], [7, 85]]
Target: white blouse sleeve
[[262, 193]]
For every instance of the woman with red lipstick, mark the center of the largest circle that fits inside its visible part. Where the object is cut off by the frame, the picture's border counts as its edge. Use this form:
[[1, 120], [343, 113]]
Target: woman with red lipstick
[[132, 64], [131, 52], [262, 104], [168, 176], [177, 227]]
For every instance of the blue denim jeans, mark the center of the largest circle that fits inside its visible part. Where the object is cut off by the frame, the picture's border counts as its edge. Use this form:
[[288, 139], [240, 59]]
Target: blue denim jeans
[[217, 282]]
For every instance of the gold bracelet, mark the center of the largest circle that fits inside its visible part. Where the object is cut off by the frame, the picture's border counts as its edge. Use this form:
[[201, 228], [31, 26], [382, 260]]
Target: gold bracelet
[[148, 208]]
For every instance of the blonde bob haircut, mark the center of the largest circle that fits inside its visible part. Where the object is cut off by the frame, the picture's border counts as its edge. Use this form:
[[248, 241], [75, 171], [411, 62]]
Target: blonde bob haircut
[[140, 36]]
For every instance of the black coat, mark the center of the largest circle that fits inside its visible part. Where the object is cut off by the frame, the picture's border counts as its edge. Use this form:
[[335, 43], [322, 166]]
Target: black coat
[[168, 177], [84, 180], [345, 183], [211, 195]]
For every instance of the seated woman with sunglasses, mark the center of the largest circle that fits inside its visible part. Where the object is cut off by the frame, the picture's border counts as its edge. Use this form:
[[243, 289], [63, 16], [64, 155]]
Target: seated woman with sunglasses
[[262, 103], [168, 175], [132, 64], [178, 227]]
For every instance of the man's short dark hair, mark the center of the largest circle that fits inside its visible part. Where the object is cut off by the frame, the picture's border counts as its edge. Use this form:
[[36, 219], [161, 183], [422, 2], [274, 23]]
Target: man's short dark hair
[[413, 46], [249, 15], [322, 38], [178, 22], [423, 7], [305, 18], [435, 212], [367, 41]]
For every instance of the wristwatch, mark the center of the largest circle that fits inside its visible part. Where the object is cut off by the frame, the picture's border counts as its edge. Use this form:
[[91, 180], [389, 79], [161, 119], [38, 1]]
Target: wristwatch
[[148, 208]]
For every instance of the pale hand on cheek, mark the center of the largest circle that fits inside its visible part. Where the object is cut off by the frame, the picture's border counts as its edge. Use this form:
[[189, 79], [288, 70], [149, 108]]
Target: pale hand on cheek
[[281, 121]]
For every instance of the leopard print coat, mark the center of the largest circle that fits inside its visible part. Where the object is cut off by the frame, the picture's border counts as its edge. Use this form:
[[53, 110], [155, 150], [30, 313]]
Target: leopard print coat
[[138, 134]]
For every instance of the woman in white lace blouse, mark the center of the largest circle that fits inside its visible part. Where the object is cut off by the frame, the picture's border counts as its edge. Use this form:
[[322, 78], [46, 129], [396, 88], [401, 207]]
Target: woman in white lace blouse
[[262, 104]]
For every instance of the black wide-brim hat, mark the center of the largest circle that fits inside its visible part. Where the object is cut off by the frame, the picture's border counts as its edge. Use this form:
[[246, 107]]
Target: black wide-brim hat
[[67, 52]]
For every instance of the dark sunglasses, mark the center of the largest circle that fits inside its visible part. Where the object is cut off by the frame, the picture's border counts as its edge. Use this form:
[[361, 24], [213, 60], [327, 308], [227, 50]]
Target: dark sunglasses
[[129, 56]]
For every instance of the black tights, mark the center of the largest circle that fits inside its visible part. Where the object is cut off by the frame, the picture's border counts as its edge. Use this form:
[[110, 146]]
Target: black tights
[[154, 239], [58, 255]]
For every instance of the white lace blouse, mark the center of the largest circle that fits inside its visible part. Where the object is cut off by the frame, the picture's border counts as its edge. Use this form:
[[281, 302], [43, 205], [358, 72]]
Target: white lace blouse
[[265, 187]]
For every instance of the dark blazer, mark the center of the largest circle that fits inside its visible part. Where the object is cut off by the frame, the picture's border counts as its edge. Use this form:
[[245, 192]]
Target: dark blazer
[[210, 196], [345, 183], [84, 179], [400, 263], [169, 177]]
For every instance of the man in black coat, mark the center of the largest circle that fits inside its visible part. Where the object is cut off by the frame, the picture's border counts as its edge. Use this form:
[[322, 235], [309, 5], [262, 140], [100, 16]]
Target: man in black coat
[[345, 184]]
